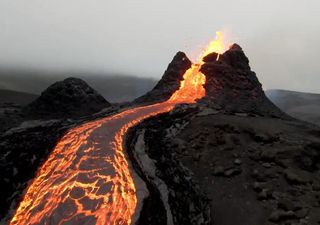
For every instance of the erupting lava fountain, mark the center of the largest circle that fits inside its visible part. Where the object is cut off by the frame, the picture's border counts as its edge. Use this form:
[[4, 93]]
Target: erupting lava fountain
[[87, 178]]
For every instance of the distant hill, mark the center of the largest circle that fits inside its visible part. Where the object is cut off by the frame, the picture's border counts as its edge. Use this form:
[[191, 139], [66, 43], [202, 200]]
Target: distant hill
[[304, 106], [113, 87], [21, 98]]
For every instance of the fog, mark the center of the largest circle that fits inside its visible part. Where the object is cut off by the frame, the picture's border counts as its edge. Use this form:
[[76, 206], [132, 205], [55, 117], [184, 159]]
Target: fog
[[139, 38]]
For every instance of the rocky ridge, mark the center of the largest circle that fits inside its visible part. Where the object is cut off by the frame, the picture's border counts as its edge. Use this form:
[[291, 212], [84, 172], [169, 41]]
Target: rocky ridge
[[233, 86], [170, 81]]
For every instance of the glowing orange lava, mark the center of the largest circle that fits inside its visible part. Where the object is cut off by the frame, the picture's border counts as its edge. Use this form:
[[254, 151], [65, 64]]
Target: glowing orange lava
[[87, 179], [191, 87], [217, 45]]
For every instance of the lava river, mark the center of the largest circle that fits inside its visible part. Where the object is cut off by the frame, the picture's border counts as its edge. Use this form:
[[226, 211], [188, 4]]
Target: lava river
[[87, 178]]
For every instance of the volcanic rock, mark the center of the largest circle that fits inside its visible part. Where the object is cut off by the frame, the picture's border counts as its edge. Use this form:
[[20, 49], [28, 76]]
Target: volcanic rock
[[244, 190], [170, 81], [232, 85], [22, 150], [279, 215], [232, 172], [71, 97], [295, 177]]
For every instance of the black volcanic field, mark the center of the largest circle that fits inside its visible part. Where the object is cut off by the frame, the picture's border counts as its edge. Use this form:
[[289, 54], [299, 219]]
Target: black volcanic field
[[232, 158]]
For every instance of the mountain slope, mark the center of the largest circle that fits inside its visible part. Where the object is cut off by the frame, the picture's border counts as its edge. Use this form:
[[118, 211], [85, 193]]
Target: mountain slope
[[114, 87], [304, 106], [17, 97]]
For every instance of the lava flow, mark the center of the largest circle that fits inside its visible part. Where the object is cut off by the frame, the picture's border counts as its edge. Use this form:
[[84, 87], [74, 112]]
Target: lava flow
[[87, 179]]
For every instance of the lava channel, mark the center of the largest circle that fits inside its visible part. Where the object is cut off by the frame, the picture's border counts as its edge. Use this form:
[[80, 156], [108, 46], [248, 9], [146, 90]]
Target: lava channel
[[87, 178]]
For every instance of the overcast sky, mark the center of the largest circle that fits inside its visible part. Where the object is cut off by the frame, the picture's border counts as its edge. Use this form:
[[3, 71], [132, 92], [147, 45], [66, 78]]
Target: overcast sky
[[140, 37]]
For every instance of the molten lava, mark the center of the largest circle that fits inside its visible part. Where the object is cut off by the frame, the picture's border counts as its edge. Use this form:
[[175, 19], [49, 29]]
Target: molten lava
[[87, 179], [191, 87], [217, 45]]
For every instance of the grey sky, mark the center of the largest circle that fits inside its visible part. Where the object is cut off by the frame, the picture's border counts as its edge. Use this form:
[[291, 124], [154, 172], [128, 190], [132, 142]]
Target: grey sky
[[280, 37]]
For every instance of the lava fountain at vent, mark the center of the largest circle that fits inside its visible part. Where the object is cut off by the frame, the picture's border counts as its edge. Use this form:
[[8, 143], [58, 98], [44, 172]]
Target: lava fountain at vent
[[87, 178], [191, 87]]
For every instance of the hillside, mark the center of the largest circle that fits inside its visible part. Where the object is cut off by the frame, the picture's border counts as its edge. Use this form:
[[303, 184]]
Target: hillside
[[304, 106], [114, 87], [21, 98]]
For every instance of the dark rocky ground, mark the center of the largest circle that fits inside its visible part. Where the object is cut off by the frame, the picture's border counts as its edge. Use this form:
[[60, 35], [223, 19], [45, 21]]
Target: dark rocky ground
[[249, 169], [254, 170]]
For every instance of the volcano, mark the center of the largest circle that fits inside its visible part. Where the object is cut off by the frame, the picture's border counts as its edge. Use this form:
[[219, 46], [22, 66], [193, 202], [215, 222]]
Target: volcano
[[230, 84], [233, 157], [205, 146], [233, 86], [170, 81]]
